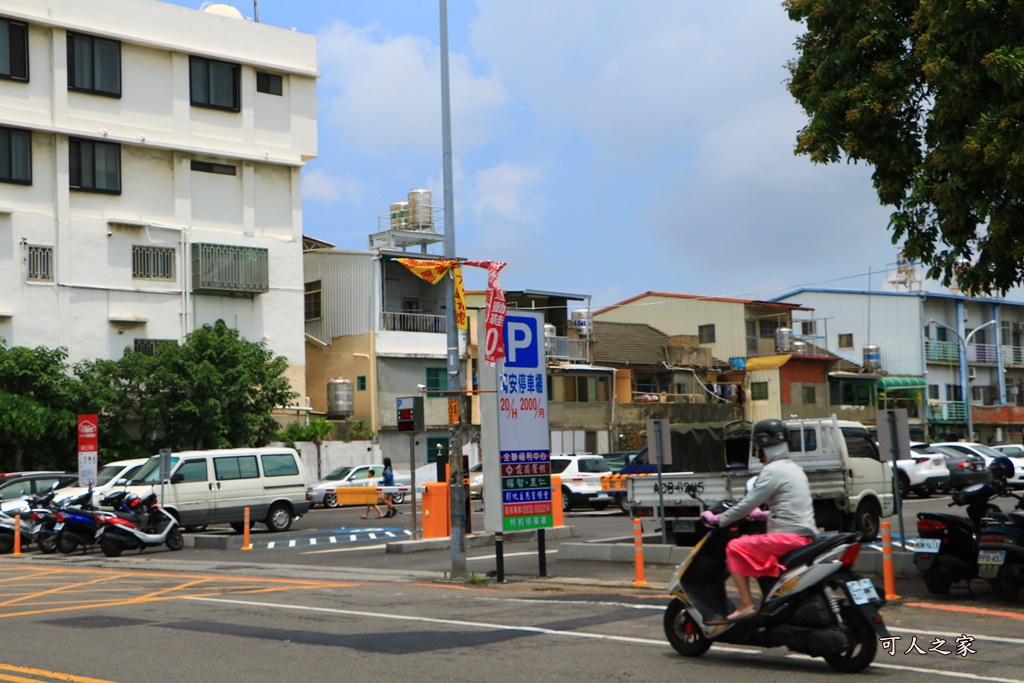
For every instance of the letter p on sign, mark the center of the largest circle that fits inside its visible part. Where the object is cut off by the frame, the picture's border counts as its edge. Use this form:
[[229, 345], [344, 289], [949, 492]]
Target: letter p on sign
[[521, 342]]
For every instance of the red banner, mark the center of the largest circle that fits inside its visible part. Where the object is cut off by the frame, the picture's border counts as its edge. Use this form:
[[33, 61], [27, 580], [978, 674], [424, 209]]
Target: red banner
[[494, 340], [88, 434]]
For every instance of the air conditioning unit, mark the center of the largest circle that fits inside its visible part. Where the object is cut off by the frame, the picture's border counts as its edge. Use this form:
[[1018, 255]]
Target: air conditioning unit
[[972, 373]]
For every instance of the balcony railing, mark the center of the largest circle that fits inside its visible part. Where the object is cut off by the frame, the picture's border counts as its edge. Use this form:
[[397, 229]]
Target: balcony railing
[[942, 351], [414, 322], [566, 349], [983, 353], [1013, 355], [947, 411]]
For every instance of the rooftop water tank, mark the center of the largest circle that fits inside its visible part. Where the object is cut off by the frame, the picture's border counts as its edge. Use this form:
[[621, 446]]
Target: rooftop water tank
[[872, 358], [400, 215], [421, 210], [799, 347], [340, 398], [221, 10], [784, 340], [550, 332], [581, 321]]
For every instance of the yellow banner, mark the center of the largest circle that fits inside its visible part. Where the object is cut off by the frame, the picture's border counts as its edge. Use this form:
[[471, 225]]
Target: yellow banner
[[432, 272]]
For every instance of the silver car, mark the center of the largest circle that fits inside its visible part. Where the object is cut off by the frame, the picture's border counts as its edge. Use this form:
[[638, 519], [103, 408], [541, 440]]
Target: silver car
[[349, 475]]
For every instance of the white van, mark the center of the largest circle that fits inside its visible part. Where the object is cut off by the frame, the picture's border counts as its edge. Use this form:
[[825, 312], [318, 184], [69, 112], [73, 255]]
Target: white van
[[215, 487]]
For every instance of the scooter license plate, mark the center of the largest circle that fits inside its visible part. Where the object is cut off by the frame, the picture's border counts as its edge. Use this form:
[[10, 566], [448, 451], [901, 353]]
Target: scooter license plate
[[862, 591], [58, 526], [927, 545], [989, 562], [683, 526]]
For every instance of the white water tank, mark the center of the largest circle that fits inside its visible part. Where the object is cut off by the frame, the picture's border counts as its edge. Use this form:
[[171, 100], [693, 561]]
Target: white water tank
[[799, 347], [340, 398], [421, 210], [872, 358], [784, 340], [221, 9], [550, 332], [581, 321]]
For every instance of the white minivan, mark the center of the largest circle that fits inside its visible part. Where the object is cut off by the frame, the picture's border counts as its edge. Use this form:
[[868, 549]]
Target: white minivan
[[215, 487]]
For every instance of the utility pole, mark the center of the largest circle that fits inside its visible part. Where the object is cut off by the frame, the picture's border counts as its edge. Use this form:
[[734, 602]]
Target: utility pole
[[456, 488]]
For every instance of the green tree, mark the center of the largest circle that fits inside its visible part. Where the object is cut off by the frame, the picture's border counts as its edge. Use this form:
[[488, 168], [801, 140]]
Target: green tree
[[216, 390], [931, 95], [37, 415], [317, 431]]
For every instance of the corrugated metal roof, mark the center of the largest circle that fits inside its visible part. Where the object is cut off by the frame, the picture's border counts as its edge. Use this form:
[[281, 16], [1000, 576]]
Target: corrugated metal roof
[[632, 343], [671, 295], [570, 367]]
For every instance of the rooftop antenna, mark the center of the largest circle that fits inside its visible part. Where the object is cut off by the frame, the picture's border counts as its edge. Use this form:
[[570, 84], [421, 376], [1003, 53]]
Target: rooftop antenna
[[256, 10]]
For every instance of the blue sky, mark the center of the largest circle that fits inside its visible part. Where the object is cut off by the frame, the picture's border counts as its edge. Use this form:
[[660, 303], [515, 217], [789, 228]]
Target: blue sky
[[600, 148]]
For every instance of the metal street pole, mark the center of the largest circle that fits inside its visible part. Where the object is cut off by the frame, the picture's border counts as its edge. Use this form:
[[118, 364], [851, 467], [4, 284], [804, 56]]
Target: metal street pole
[[457, 491], [965, 382]]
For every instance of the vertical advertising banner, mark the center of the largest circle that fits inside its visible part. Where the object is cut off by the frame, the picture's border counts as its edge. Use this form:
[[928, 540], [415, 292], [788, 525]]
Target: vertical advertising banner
[[523, 442], [88, 449]]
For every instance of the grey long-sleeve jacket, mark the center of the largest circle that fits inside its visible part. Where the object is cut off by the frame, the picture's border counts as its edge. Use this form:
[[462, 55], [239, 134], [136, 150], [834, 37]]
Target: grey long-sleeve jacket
[[783, 485]]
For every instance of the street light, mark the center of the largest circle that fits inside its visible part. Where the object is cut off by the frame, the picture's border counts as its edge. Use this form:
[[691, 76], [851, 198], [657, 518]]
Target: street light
[[965, 384]]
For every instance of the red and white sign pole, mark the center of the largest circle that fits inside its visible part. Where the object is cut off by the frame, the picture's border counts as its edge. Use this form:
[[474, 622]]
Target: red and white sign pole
[[88, 449]]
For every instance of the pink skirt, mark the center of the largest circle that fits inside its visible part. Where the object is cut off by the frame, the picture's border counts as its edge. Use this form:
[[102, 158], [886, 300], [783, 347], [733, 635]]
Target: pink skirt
[[758, 555]]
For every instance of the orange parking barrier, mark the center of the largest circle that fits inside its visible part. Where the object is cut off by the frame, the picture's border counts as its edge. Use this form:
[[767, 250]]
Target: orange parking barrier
[[557, 516], [17, 534], [887, 567], [638, 552], [436, 510], [246, 544]]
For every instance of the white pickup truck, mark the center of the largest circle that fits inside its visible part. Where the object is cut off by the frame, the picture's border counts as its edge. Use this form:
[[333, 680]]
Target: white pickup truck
[[851, 487]]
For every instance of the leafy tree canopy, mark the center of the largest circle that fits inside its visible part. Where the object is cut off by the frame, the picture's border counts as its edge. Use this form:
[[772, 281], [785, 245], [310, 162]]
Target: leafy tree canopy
[[931, 94]]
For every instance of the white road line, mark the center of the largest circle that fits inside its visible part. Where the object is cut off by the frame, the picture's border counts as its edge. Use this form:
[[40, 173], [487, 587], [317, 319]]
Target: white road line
[[346, 550], [573, 634], [492, 557], [312, 541], [271, 544], [352, 537], [372, 535], [334, 539], [291, 543], [995, 639]]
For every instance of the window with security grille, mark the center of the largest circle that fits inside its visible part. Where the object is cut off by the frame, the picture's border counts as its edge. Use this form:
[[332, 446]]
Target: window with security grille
[[40, 263], [94, 65], [706, 334], [314, 300], [759, 391], [846, 341], [148, 347], [437, 381], [15, 156], [225, 268], [13, 50], [152, 263]]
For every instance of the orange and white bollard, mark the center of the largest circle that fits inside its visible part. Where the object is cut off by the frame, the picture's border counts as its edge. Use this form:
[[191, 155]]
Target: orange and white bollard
[[887, 567], [246, 544], [17, 535], [638, 552]]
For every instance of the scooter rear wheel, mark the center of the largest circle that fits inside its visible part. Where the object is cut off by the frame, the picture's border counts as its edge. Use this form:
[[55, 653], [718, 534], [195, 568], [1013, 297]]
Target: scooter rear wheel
[[47, 543], [1004, 586], [175, 541], [66, 544], [863, 643], [6, 543], [936, 582], [109, 546], [683, 633]]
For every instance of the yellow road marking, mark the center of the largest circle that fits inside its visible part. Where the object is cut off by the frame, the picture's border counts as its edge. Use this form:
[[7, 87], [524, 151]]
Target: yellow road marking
[[41, 672]]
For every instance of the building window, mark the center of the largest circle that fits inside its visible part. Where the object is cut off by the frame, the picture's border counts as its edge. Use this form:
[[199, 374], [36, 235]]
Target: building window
[[852, 393], [94, 65], [586, 388], [271, 84], [808, 328], [437, 447], [759, 391], [229, 269], [13, 50], [153, 263], [437, 381], [933, 392], [941, 333], [209, 167], [15, 156], [95, 166], [361, 383], [846, 341], [706, 334], [808, 394], [214, 84], [148, 347], [40, 263], [314, 301]]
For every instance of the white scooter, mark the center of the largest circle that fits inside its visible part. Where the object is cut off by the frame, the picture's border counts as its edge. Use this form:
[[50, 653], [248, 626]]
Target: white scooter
[[139, 523]]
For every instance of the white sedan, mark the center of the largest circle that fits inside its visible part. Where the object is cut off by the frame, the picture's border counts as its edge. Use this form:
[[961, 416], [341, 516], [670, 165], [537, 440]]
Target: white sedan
[[358, 475]]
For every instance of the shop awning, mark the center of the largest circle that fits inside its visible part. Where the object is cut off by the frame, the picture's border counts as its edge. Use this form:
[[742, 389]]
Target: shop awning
[[890, 383], [767, 362]]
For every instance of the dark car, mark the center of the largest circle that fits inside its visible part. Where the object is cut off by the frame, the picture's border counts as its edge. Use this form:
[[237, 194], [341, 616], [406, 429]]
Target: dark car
[[18, 484], [964, 469]]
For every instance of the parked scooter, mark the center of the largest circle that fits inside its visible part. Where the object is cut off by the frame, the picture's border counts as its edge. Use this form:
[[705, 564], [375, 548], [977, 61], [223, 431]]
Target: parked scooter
[[817, 606], [946, 551], [77, 521], [138, 522], [1001, 548], [34, 525]]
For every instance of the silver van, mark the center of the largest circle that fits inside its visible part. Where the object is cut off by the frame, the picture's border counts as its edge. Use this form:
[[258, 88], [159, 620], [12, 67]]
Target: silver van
[[215, 487]]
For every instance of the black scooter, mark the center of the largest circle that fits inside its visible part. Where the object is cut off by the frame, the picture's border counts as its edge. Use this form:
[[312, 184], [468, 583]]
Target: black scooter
[[946, 551]]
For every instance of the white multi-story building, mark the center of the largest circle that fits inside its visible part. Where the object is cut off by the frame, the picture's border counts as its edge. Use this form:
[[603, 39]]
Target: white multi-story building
[[150, 160]]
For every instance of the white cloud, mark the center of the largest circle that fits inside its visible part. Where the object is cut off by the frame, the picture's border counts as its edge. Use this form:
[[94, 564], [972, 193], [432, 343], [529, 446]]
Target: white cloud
[[383, 92], [506, 192], [320, 186]]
